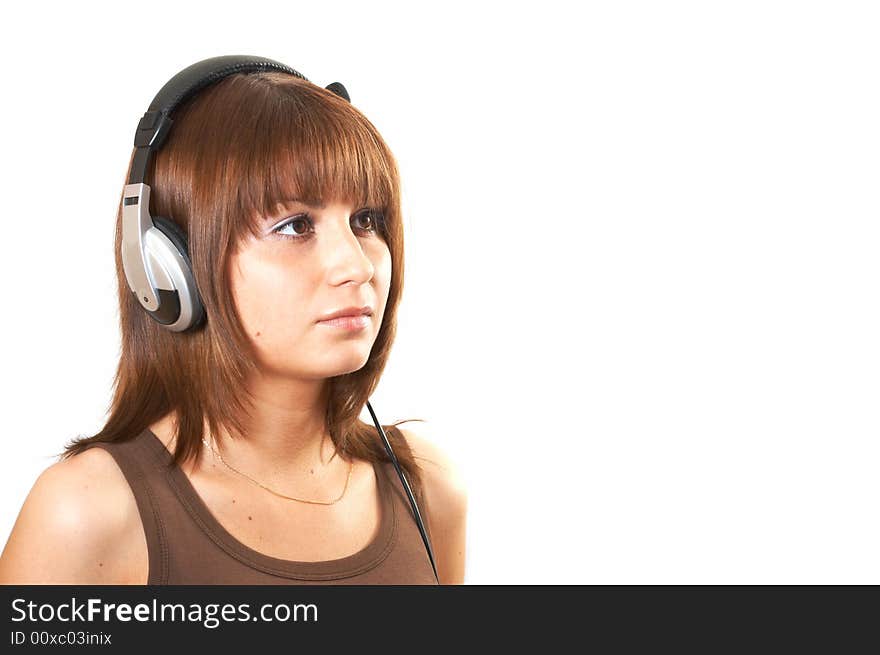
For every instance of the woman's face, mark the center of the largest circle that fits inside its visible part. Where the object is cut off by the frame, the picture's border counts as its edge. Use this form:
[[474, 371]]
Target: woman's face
[[309, 262]]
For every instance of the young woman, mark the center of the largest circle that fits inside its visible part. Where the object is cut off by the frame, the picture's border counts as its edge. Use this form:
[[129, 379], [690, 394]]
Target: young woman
[[233, 452]]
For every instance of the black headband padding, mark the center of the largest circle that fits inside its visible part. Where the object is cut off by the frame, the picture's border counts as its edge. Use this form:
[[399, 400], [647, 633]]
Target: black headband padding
[[338, 89], [155, 123], [208, 71]]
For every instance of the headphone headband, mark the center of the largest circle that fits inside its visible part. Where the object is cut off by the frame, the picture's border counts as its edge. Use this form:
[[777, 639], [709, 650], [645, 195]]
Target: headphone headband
[[156, 121]]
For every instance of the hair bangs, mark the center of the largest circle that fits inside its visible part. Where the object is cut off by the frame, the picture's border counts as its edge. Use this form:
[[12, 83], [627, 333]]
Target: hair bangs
[[311, 149]]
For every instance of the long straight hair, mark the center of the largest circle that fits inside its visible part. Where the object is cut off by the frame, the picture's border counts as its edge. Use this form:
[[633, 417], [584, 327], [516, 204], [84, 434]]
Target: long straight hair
[[238, 149]]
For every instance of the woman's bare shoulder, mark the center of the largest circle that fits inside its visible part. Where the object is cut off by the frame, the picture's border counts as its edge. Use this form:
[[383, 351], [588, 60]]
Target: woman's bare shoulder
[[445, 495], [71, 525], [440, 472]]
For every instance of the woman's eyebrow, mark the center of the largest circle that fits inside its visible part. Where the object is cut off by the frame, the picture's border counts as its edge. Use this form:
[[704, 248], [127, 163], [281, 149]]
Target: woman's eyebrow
[[283, 206], [319, 205]]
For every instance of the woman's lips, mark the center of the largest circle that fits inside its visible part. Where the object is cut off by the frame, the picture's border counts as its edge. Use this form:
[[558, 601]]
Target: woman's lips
[[352, 322]]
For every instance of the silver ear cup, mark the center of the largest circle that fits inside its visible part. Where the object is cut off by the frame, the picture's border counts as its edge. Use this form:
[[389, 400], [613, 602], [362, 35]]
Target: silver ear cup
[[168, 257], [155, 258]]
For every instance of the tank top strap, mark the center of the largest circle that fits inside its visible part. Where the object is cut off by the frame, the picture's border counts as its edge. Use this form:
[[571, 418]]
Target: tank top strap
[[143, 472]]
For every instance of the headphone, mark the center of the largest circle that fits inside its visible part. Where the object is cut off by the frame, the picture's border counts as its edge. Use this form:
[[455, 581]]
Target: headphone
[[155, 252]]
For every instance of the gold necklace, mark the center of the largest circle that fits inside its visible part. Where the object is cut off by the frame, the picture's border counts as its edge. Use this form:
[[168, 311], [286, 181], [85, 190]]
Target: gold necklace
[[300, 500]]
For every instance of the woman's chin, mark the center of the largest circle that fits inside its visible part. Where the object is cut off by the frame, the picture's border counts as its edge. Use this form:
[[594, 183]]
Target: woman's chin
[[341, 365]]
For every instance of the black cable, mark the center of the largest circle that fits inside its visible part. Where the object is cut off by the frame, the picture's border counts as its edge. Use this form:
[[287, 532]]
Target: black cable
[[406, 486]]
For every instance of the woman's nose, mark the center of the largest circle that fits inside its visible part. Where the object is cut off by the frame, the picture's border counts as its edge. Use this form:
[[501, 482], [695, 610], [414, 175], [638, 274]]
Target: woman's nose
[[346, 258]]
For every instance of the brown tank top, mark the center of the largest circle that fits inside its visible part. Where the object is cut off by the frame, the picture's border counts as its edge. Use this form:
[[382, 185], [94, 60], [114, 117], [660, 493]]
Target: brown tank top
[[188, 546]]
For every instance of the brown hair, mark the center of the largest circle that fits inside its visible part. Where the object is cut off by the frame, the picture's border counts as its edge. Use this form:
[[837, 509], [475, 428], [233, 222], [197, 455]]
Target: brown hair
[[236, 150]]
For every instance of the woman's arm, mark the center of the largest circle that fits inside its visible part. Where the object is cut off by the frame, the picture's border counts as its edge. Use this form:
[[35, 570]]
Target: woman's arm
[[75, 526], [446, 500]]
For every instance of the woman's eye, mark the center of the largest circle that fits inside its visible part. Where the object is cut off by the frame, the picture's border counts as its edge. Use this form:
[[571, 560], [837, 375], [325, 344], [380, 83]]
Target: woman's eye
[[368, 221], [295, 228], [292, 224]]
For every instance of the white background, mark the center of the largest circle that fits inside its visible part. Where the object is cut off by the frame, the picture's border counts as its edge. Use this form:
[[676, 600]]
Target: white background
[[641, 307]]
